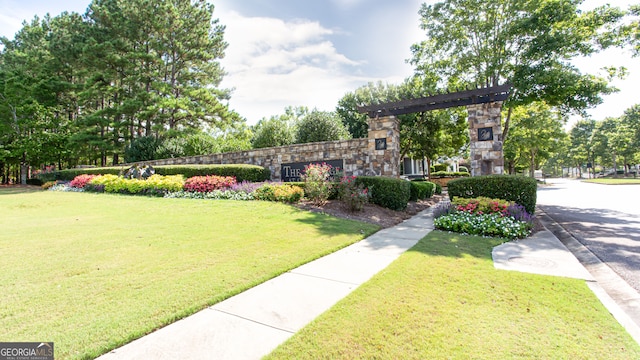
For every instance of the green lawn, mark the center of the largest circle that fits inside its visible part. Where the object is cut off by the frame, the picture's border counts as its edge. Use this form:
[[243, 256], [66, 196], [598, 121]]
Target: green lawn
[[443, 299], [92, 272], [611, 181]]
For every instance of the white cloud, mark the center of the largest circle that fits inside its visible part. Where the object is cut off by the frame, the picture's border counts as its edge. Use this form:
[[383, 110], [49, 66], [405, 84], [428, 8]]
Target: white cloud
[[273, 63]]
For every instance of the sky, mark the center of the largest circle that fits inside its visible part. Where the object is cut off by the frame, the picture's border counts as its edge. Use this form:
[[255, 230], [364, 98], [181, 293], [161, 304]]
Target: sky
[[311, 53]]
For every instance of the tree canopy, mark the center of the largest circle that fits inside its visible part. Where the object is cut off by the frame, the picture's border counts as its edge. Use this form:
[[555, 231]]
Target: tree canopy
[[527, 43], [78, 89]]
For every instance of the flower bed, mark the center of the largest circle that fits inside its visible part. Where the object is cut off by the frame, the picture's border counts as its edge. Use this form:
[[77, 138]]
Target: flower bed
[[483, 216]]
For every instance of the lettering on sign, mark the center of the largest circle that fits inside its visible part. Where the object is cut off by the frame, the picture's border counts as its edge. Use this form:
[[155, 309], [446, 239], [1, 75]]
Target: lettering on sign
[[293, 171]]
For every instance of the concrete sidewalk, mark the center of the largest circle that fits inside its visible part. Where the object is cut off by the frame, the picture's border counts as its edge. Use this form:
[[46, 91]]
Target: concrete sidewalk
[[253, 323]]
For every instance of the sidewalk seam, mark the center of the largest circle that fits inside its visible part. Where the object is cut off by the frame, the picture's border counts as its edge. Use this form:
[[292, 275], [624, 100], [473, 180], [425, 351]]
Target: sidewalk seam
[[251, 320]]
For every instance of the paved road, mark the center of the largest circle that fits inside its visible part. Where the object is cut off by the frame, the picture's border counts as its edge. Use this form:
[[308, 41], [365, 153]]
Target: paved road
[[604, 218]]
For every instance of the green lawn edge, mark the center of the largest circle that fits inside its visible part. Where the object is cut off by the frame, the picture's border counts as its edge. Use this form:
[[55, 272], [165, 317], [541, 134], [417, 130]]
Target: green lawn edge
[[613, 181], [443, 299]]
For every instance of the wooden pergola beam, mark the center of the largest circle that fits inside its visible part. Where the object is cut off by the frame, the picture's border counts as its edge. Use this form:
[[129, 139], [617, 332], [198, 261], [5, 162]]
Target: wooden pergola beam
[[440, 101]]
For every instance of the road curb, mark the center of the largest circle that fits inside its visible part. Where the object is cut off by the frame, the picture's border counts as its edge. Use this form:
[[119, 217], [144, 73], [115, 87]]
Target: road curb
[[622, 301]]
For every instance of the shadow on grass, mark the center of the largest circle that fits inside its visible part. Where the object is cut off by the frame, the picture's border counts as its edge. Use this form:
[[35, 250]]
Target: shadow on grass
[[18, 189], [330, 225], [453, 245]]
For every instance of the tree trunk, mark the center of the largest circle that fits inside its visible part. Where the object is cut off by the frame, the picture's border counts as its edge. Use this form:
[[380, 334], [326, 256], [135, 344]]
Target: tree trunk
[[24, 167], [505, 128], [532, 164]]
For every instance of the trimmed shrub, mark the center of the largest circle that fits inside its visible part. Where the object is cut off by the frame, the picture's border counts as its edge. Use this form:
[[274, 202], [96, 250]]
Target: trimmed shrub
[[438, 189], [279, 192], [463, 169], [208, 183], [387, 192], [441, 174], [421, 190], [519, 189], [34, 182], [241, 172], [439, 167]]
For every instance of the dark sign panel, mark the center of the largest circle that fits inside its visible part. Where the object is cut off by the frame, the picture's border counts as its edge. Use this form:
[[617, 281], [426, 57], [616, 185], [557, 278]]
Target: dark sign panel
[[381, 144], [485, 134], [293, 171]]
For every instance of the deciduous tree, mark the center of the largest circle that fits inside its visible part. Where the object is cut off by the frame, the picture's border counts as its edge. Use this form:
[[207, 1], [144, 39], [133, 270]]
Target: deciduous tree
[[527, 43]]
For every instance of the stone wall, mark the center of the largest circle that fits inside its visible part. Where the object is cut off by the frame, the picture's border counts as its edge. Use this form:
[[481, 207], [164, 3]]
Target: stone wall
[[485, 132], [359, 155]]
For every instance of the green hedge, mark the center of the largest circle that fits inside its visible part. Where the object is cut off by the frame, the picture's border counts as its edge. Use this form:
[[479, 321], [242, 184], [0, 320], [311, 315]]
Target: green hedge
[[519, 189], [441, 174], [250, 173], [387, 192], [421, 190], [242, 172]]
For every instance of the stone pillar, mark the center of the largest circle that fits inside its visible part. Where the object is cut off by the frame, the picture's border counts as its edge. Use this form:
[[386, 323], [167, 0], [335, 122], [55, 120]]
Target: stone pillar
[[384, 147], [485, 132]]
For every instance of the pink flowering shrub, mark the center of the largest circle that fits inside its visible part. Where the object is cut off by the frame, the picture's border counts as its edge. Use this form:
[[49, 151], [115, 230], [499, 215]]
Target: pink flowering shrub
[[209, 183], [481, 205], [317, 182], [353, 195], [81, 181]]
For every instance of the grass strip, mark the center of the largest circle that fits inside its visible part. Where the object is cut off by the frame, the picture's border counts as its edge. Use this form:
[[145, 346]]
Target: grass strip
[[614, 181], [443, 299], [92, 272]]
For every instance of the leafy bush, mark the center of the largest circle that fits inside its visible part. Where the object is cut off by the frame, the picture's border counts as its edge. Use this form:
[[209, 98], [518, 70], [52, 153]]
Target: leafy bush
[[272, 132], [421, 190], [141, 149], [213, 195], [387, 192], [81, 180], [34, 182], [64, 187], [463, 169], [317, 183], [519, 189], [245, 187], [481, 205], [48, 185], [241, 172], [441, 174], [279, 192], [438, 189], [443, 208], [321, 126], [208, 183], [519, 213], [439, 167], [355, 196], [484, 224], [156, 185]]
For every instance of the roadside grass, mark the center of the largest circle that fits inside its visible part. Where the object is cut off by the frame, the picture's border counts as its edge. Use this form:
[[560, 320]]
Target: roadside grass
[[91, 272], [613, 181], [443, 299]]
